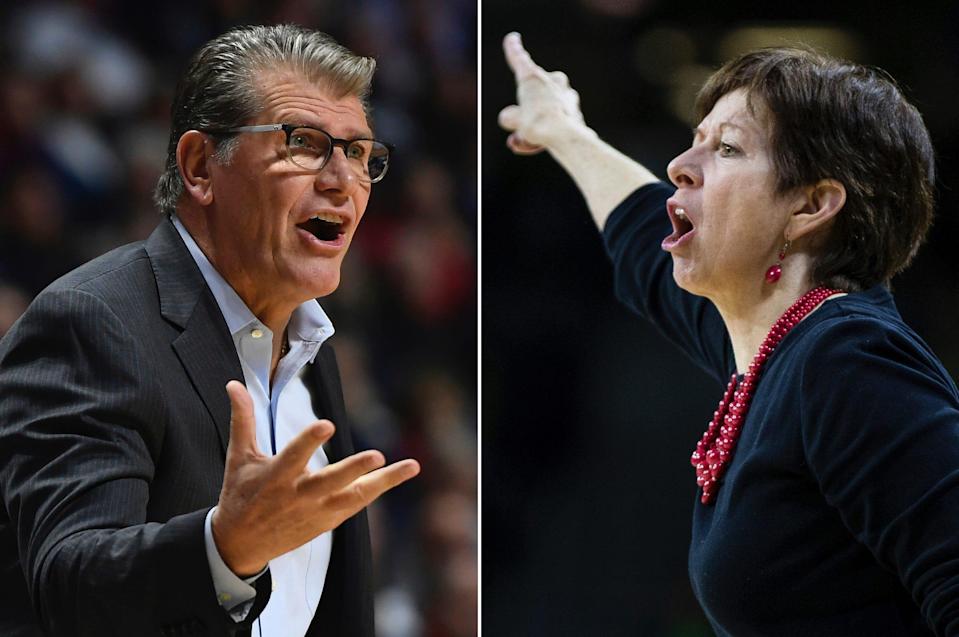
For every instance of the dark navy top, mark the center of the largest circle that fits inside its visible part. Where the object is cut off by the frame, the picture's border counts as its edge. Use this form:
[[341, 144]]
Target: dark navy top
[[839, 513]]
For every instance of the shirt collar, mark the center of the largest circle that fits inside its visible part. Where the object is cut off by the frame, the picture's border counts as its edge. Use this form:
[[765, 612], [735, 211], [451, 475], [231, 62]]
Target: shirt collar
[[308, 323]]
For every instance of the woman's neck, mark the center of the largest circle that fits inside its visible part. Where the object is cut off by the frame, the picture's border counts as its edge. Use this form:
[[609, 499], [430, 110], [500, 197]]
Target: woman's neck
[[750, 314]]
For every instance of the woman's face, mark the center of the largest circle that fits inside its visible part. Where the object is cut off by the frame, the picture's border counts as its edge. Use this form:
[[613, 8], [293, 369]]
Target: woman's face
[[728, 220]]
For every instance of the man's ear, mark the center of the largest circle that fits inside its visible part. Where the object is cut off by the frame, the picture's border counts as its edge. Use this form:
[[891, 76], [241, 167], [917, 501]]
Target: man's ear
[[193, 157], [818, 205]]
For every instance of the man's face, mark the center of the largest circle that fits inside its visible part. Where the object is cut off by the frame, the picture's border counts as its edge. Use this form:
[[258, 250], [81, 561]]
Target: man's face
[[262, 203]]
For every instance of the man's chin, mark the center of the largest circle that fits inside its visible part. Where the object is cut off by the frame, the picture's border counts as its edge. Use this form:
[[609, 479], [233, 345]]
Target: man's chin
[[307, 278], [322, 285]]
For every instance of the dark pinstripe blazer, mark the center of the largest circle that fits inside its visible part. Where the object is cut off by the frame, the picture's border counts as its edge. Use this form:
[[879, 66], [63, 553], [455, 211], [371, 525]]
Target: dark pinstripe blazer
[[114, 424]]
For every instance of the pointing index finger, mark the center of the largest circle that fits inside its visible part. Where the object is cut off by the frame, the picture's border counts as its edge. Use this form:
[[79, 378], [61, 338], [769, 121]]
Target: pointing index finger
[[517, 57]]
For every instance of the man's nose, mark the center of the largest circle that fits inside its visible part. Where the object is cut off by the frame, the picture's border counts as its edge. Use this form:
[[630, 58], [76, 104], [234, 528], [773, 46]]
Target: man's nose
[[338, 173]]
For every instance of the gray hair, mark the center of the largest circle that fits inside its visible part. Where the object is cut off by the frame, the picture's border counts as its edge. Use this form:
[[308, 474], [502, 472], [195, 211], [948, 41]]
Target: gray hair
[[218, 90]]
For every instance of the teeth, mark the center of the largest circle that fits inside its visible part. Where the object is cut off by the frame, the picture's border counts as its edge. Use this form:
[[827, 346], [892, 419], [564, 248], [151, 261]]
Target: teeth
[[327, 216], [681, 213]]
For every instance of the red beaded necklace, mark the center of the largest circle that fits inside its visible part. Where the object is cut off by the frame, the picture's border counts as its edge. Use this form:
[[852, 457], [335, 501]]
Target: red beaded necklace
[[715, 450]]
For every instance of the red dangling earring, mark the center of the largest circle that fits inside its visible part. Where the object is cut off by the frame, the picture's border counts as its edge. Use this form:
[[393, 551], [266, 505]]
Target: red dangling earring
[[775, 271]]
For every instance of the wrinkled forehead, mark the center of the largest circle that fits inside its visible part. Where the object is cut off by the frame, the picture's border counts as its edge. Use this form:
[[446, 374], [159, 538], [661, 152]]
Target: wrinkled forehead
[[744, 109], [294, 98]]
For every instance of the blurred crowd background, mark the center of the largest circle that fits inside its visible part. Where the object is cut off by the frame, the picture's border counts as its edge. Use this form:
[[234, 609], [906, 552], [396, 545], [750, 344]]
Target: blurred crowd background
[[85, 88], [589, 416]]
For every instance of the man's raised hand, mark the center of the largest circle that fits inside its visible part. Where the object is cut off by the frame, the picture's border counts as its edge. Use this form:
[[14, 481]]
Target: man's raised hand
[[271, 505]]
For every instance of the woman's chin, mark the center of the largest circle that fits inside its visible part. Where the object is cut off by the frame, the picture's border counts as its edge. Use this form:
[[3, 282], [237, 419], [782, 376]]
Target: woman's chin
[[685, 277]]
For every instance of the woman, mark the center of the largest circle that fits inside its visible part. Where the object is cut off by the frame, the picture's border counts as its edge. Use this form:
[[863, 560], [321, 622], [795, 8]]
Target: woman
[[829, 473]]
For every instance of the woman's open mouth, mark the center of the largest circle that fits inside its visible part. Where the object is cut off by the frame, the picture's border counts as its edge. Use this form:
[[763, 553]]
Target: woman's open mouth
[[683, 228]]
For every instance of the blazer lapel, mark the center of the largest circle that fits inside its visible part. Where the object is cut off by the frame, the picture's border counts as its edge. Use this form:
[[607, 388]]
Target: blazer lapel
[[327, 395], [204, 347], [209, 357]]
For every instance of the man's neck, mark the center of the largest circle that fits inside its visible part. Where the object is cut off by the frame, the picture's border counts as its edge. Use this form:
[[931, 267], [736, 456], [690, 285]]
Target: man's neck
[[272, 312]]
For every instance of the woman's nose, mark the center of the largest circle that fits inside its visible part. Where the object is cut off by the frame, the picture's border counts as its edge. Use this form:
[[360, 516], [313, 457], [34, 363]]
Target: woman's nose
[[683, 170]]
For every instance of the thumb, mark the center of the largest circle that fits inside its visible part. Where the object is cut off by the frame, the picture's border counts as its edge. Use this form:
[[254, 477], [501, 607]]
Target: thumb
[[520, 146], [242, 421]]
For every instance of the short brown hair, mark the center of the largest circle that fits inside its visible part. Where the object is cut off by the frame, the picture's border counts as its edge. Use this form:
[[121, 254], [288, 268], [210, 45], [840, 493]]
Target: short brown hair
[[218, 90], [834, 119]]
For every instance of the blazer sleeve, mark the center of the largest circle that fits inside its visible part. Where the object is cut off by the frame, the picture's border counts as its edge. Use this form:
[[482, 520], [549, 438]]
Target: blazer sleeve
[[81, 424], [883, 445], [643, 281]]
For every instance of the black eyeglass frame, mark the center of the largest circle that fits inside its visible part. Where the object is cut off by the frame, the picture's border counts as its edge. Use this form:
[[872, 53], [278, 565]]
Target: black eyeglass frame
[[289, 128]]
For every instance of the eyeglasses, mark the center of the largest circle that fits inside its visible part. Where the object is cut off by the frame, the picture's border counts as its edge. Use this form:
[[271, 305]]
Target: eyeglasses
[[311, 148]]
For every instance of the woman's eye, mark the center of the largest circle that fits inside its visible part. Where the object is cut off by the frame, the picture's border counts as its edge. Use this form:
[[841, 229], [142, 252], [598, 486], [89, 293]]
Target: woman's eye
[[726, 150]]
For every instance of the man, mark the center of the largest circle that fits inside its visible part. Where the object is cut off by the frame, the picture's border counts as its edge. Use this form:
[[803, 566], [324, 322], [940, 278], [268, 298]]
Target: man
[[116, 435]]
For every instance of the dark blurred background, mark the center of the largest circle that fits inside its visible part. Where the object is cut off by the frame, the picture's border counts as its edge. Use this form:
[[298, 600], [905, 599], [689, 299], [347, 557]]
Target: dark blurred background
[[589, 416], [85, 87]]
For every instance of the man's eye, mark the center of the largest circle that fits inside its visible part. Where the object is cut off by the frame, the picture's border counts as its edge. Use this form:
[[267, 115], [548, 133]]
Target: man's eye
[[356, 151], [303, 142]]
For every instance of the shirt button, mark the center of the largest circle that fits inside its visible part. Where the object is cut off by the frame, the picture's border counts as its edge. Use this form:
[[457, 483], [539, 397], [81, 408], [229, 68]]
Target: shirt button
[[256, 332]]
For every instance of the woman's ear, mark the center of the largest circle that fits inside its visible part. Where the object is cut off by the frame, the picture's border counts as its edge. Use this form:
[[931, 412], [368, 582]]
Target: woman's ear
[[193, 155], [820, 203]]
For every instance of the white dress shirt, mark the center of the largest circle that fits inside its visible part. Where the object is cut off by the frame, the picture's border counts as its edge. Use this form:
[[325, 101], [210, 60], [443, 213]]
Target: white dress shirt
[[281, 413]]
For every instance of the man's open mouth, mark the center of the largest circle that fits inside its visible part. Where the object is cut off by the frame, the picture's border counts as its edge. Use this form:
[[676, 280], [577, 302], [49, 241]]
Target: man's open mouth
[[325, 227]]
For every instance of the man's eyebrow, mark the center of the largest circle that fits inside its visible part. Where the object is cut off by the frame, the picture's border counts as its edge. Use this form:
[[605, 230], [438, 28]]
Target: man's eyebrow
[[364, 134], [351, 133]]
